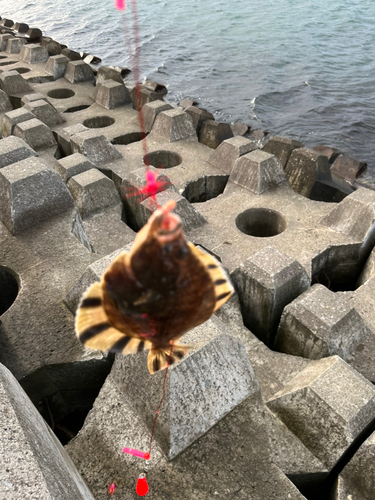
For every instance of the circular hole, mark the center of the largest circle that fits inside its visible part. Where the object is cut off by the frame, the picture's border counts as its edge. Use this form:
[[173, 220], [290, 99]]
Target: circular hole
[[128, 138], [77, 108], [162, 159], [8, 288], [7, 62], [21, 71], [61, 93], [261, 222], [99, 122]]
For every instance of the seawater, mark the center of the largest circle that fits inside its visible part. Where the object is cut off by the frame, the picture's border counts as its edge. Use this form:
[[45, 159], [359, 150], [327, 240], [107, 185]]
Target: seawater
[[299, 68]]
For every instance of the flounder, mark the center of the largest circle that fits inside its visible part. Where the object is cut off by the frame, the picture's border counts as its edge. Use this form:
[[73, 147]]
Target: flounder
[[151, 296]]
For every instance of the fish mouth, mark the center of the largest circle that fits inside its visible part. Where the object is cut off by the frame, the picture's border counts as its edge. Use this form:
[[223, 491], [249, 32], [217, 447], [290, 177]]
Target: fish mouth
[[169, 224]]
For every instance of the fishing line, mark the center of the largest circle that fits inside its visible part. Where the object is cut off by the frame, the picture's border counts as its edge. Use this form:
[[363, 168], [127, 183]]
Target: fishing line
[[151, 188]]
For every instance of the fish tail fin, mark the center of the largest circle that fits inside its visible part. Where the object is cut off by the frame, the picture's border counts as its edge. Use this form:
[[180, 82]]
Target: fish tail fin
[[158, 358]]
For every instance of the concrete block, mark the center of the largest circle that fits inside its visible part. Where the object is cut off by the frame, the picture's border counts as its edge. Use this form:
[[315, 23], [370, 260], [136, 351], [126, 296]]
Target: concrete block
[[112, 94], [93, 192], [11, 119], [347, 169], [202, 389], [306, 166], [73, 165], [34, 34], [368, 270], [257, 171], [173, 125], [281, 147], [232, 458], [56, 66], [13, 149], [95, 146], [320, 323], [213, 133], [5, 104], [145, 96], [287, 451], [35, 133], [12, 83], [72, 55], [92, 274], [4, 40], [353, 216], [35, 464], [78, 71], [266, 282], [357, 480], [37, 96], [239, 128], [45, 112], [330, 153], [6, 22], [31, 193], [21, 27], [313, 406], [64, 135], [106, 73], [53, 48], [131, 193], [151, 111], [14, 45], [226, 154], [198, 116], [33, 53], [191, 218], [103, 233]]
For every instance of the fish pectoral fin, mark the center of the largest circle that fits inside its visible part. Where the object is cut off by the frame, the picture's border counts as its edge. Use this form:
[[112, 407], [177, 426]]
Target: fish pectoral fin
[[158, 358], [95, 331]]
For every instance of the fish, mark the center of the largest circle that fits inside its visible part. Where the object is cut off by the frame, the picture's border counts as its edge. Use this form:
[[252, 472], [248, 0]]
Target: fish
[[150, 297]]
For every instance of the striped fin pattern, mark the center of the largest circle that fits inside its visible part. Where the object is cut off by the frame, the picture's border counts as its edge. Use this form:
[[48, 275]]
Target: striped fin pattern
[[223, 287], [94, 330], [158, 358]]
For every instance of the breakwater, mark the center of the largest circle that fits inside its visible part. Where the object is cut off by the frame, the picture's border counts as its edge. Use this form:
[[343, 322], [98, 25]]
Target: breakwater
[[276, 397]]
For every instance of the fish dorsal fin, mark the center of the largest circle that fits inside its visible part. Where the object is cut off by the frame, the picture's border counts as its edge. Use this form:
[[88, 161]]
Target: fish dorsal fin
[[221, 282], [95, 331]]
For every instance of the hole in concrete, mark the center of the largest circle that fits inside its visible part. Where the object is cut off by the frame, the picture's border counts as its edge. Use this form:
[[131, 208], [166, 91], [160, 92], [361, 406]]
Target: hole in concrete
[[261, 222], [338, 268], [99, 122], [162, 159], [65, 393], [6, 63], [3, 57], [128, 138], [205, 188], [21, 71], [9, 287], [61, 93], [77, 108], [312, 486]]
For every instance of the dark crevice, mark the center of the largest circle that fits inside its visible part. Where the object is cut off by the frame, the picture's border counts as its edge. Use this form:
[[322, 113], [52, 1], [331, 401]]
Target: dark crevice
[[206, 188], [323, 486], [9, 287], [64, 394], [338, 268]]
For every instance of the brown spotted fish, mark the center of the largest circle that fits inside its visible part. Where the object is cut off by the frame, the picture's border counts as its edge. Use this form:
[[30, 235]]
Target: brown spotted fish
[[151, 296]]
